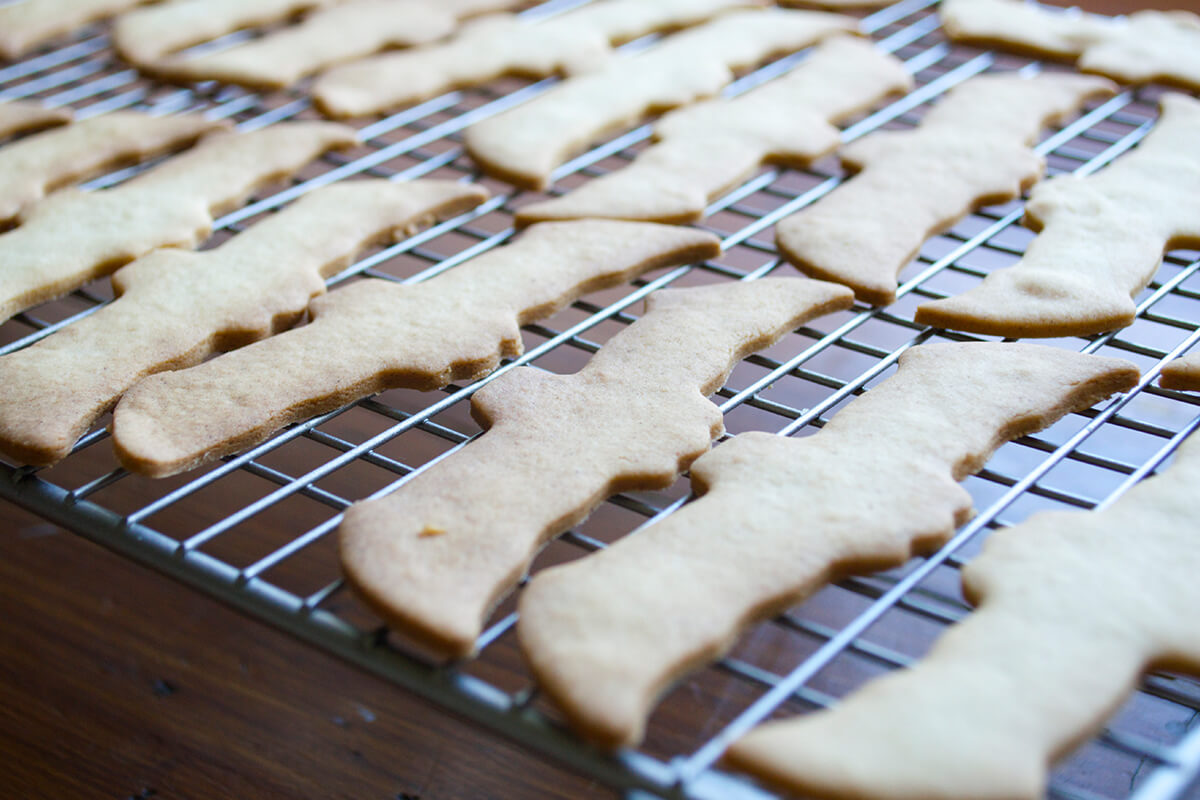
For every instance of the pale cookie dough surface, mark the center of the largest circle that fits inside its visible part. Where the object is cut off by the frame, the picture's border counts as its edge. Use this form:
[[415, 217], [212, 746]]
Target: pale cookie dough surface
[[972, 148], [1146, 46], [502, 44], [326, 37], [376, 334], [608, 633], [435, 556], [706, 149], [71, 236], [835, 5], [1074, 607], [525, 144], [1022, 25], [26, 24], [1182, 373], [144, 35], [23, 116], [1101, 240], [38, 164], [175, 307]]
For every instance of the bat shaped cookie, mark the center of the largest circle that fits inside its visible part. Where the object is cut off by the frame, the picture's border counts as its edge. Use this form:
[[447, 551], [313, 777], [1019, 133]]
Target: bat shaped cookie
[[1147, 45], [523, 145], [72, 236], [503, 44], [375, 334], [25, 25], [1073, 607], [778, 518], [436, 555], [972, 148], [706, 149], [38, 164], [343, 32], [1101, 240], [176, 307]]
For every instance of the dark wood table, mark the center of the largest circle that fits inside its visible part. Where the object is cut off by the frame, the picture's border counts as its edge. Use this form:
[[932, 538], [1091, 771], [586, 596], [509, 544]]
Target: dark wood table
[[116, 682]]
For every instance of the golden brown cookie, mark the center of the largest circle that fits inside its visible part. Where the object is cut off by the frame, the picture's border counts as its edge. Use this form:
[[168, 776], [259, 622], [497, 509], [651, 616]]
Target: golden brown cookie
[[706, 149], [175, 308], [525, 144], [328, 36], [502, 44], [376, 334], [1145, 46], [28, 23], [37, 164], [434, 557], [1101, 241], [779, 518], [23, 116], [1073, 608], [72, 236], [972, 148], [144, 35], [1182, 373]]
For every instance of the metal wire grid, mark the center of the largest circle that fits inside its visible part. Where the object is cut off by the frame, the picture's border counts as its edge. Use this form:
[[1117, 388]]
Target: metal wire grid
[[835, 641]]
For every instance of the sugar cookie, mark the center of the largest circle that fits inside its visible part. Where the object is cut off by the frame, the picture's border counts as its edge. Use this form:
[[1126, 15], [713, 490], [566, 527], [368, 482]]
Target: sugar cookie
[[1073, 608], [1102, 239], [835, 5], [1145, 46], [26, 24], [23, 116], [326, 37], [71, 236], [706, 149], [632, 419], [376, 334], [145, 35], [502, 44], [606, 634], [525, 144], [176, 307], [972, 148], [1182, 373], [37, 164]]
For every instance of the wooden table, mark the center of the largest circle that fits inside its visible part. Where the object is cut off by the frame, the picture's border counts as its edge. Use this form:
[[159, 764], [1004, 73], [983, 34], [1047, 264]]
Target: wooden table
[[118, 683]]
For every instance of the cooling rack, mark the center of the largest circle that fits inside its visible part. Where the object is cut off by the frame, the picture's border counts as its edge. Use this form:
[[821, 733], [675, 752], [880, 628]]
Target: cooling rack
[[256, 529]]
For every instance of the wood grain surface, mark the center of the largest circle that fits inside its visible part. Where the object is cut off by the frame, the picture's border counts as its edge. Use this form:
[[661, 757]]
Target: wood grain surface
[[118, 683]]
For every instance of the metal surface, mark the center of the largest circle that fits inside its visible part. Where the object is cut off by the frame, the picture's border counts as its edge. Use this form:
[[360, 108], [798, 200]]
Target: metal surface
[[805, 659]]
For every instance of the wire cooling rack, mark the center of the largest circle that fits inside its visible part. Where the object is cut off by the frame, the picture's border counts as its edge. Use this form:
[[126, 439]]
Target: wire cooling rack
[[255, 530]]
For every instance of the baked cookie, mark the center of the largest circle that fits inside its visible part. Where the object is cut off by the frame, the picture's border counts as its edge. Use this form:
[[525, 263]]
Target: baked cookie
[[434, 557], [23, 116], [502, 44], [375, 334], [35, 165], [706, 149], [174, 307], [1144, 46], [973, 148], [144, 35], [1101, 240], [778, 518], [1073, 608], [329, 36], [72, 236], [28, 23], [523, 145]]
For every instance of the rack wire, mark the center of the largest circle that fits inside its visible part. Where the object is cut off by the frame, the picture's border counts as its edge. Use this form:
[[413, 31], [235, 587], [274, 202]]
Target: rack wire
[[255, 529]]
